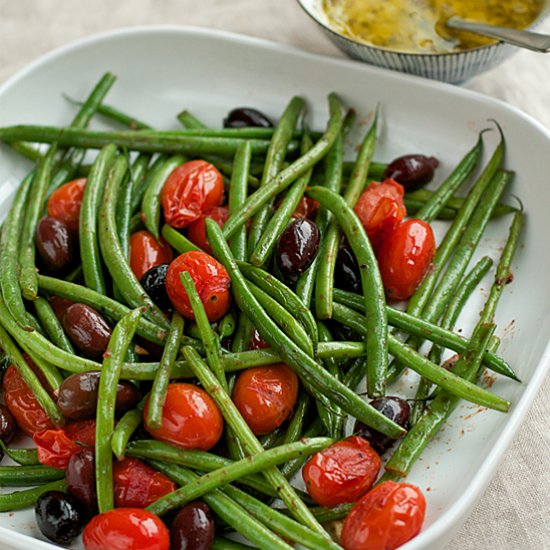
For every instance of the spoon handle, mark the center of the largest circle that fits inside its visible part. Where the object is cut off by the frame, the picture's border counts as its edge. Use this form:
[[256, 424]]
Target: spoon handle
[[524, 39]]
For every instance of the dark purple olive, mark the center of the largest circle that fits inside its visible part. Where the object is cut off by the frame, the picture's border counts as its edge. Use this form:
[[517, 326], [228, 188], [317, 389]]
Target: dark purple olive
[[87, 330], [154, 283], [59, 517], [77, 396], [395, 409], [8, 426], [80, 479], [297, 247], [54, 244], [411, 171], [244, 117], [192, 528], [346, 273]]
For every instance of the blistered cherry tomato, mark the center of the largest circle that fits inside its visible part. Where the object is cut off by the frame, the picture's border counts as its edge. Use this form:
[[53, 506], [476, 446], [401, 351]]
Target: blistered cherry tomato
[[265, 396], [81, 431], [65, 202], [210, 278], [125, 529], [191, 189], [22, 404], [146, 252], [196, 231], [341, 473], [380, 208], [190, 418], [404, 258], [136, 485], [385, 518]]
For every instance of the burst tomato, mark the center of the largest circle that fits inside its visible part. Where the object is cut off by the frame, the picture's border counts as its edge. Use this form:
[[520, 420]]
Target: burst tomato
[[386, 517], [23, 405], [190, 418], [343, 472], [210, 278], [65, 202], [136, 485], [265, 396], [380, 208], [146, 252], [125, 529], [404, 258], [190, 190], [197, 230]]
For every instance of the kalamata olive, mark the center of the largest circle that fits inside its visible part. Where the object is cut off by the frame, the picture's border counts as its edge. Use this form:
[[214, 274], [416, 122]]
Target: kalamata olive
[[80, 479], [297, 247], [246, 116], [192, 528], [77, 396], [395, 409], [87, 330], [59, 517], [411, 171], [54, 244], [154, 283], [346, 273], [8, 425], [60, 306]]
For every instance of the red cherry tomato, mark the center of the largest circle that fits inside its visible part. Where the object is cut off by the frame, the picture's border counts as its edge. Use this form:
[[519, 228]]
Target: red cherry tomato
[[146, 252], [343, 472], [265, 396], [22, 403], [404, 258], [385, 518], [380, 208], [190, 190], [65, 202], [81, 431], [190, 418], [210, 278], [126, 529], [197, 229], [136, 485]]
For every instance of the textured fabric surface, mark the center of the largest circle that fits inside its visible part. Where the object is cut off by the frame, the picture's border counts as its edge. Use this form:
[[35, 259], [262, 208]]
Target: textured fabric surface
[[504, 518]]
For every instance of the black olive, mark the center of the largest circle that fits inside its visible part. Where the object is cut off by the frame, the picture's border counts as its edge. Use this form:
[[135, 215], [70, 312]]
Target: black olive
[[346, 273], [54, 243], [244, 117], [297, 247], [80, 479], [87, 330], [59, 517], [411, 171], [192, 528], [154, 283], [392, 407], [8, 426]]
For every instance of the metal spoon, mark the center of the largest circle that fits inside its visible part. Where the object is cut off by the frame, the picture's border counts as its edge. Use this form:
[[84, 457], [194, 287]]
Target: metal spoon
[[524, 39]]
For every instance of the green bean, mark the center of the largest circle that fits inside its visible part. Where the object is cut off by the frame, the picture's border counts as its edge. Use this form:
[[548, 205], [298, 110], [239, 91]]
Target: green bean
[[227, 325], [324, 514], [27, 374], [112, 113], [272, 439], [274, 160], [292, 355], [413, 205], [27, 150], [237, 196], [105, 305], [150, 205], [187, 142], [189, 120], [35, 203], [248, 439], [175, 239], [373, 289], [25, 457], [221, 543], [117, 265], [52, 325], [51, 374], [257, 462], [93, 101], [19, 500], [283, 179], [324, 283], [227, 510], [126, 426], [89, 245], [105, 416], [23, 476], [160, 385], [142, 185], [296, 424]]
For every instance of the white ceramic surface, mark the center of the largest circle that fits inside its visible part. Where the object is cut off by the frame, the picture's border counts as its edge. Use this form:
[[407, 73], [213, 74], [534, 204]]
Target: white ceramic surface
[[163, 70]]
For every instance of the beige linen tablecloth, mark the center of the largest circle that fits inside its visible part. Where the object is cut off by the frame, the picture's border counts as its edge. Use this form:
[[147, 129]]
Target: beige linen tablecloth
[[514, 512]]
